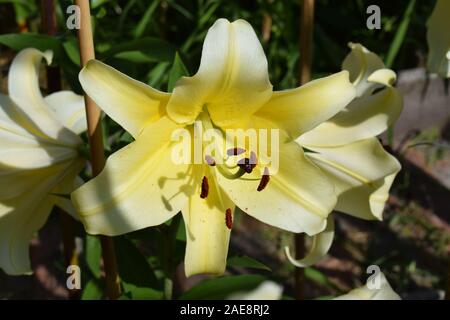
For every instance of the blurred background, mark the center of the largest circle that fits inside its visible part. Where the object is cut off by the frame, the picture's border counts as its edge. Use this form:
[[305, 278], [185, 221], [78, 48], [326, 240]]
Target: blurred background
[[142, 37]]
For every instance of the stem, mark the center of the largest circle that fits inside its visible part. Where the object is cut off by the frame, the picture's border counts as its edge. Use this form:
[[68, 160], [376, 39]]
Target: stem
[[306, 40], [170, 237], [306, 50], [447, 291], [93, 116], [53, 85]]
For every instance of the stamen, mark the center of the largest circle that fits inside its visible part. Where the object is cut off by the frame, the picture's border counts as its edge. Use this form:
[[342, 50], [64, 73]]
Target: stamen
[[245, 165], [228, 219], [205, 188], [253, 159], [235, 151], [264, 180], [210, 160]]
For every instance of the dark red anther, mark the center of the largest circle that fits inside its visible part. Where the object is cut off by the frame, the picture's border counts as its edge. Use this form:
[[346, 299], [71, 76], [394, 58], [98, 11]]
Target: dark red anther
[[264, 180], [235, 151], [228, 219], [205, 188]]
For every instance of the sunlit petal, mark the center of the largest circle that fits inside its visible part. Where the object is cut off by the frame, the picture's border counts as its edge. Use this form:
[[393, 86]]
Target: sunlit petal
[[299, 110], [129, 102], [69, 109], [363, 118], [140, 185], [232, 81], [298, 197], [207, 234], [362, 173], [23, 87], [361, 63], [384, 292]]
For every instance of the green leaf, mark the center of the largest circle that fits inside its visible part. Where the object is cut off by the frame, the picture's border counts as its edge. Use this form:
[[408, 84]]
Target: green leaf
[[97, 3], [181, 232], [246, 262], [133, 266], [92, 291], [178, 70], [41, 42], [156, 75], [220, 288], [71, 49], [134, 56], [26, 3], [156, 50], [318, 277], [400, 34], [93, 254], [141, 26], [31, 40], [139, 293]]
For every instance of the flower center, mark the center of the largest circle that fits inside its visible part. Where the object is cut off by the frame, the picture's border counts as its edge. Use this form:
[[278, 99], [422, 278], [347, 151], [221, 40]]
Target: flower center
[[235, 163]]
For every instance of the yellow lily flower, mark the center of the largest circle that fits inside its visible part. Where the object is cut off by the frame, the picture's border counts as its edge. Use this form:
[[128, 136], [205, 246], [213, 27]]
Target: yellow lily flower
[[141, 186], [346, 149], [268, 290], [38, 156], [383, 292], [439, 39]]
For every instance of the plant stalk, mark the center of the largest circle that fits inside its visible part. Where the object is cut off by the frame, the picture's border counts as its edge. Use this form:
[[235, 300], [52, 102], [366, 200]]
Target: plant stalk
[[306, 52], [93, 116]]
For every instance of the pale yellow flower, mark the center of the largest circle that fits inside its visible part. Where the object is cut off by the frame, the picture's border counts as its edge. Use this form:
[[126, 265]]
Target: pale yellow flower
[[268, 290], [438, 37], [347, 150], [383, 292], [38, 156], [141, 186]]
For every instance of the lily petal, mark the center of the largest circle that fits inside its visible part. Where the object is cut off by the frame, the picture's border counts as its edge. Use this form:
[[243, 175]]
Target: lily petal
[[69, 109], [23, 87], [232, 80], [299, 110], [142, 173], [304, 196], [362, 173], [385, 292], [439, 39], [20, 218], [20, 181], [321, 244], [207, 234], [365, 117], [361, 63], [129, 102], [20, 148], [268, 290]]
